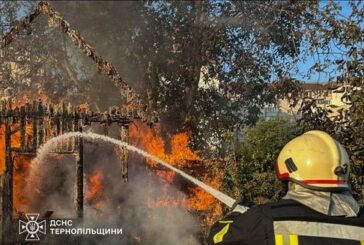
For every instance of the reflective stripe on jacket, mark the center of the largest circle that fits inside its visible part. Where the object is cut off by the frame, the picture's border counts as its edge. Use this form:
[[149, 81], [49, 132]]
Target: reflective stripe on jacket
[[287, 222]]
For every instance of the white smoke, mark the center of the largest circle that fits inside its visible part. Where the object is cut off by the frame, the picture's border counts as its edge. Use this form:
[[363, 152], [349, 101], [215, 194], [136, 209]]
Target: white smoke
[[124, 205]]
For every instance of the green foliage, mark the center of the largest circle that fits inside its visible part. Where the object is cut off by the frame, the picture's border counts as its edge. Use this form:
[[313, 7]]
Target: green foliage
[[162, 46], [339, 40], [250, 173]]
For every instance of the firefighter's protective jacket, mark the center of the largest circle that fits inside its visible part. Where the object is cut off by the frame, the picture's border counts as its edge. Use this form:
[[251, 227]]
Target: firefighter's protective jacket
[[287, 222]]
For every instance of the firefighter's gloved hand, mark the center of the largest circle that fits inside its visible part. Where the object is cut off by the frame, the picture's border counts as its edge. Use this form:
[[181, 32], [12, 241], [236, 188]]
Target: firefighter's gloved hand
[[242, 206]]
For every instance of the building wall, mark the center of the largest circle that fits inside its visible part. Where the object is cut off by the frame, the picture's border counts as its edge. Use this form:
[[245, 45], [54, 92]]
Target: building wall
[[324, 97], [269, 112]]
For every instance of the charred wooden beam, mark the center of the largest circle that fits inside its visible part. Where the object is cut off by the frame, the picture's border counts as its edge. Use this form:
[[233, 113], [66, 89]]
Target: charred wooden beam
[[27, 120], [63, 125], [7, 194], [57, 122], [69, 125], [20, 150], [58, 125], [34, 126], [22, 127], [74, 126], [124, 136], [50, 122], [79, 198], [40, 116]]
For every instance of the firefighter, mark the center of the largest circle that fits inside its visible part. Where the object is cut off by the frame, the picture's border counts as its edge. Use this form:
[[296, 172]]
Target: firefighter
[[318, 207]]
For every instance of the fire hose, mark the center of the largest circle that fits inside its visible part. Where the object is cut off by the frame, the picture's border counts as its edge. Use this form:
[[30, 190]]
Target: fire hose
[[222, 197]]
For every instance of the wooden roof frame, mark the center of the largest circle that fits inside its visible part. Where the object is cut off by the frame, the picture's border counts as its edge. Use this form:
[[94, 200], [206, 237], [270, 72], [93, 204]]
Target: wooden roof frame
[[104, 67]]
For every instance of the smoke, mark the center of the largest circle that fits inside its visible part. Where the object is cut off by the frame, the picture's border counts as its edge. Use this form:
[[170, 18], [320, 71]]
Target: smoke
[[52, 186], [159, 225], [44, 149]]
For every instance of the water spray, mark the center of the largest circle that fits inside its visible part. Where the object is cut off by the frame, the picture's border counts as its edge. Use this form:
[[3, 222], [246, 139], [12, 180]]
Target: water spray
[[45, 148]]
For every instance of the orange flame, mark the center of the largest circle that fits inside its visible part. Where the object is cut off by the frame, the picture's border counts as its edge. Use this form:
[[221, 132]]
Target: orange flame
[[94, 194], [150, 140], [21, 163], [31, 96], [21, 172], [179, 155], [183, 157], [84, 106]]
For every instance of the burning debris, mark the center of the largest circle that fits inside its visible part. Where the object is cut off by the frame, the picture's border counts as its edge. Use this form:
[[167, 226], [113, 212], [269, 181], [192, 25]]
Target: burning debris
[[27, 127]]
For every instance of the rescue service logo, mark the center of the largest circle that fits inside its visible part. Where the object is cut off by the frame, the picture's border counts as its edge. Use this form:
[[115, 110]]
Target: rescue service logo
[[32, 227]]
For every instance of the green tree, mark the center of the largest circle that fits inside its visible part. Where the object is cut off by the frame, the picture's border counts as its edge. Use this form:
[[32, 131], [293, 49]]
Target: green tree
[[162, 46], [338, 42], [250, 172]]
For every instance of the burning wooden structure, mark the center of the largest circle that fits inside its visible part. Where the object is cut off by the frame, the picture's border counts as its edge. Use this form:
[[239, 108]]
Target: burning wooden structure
[[44, 121], [49, 120], [39, 121]]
